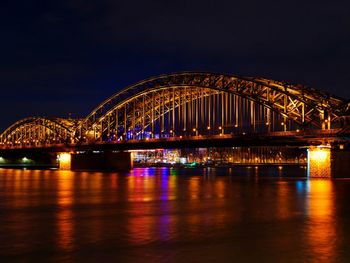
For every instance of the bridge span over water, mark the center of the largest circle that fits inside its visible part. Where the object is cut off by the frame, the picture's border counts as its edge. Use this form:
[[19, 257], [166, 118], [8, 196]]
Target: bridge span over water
[[189, 104], [192, 109]]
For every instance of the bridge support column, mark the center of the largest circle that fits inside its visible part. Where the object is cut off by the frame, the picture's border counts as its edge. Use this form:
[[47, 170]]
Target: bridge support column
[[64, 161], [327, 162], [110, 161]]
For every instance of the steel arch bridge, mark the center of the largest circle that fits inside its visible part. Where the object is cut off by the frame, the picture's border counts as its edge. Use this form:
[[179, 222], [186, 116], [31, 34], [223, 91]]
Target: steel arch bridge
[[38, 131], [189, 104]]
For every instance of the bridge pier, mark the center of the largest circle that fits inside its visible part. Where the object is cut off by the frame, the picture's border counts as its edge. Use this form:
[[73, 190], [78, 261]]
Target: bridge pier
[[99, 160], [64, 161], [328, 162]]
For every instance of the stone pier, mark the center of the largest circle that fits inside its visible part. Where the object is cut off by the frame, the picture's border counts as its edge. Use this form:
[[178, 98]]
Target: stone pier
[[110, 161], [327, 162]]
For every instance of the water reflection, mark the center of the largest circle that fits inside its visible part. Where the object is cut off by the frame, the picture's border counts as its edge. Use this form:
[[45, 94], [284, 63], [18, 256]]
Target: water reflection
[[322, 227], [65, 220], [161, 214]]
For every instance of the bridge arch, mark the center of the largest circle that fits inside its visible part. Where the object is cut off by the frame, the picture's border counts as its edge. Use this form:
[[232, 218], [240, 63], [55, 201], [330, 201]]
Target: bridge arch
[[188, 103], [38, 131]]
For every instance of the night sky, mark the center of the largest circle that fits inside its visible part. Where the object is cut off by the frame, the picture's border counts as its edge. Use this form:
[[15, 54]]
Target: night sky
[[61, 57]]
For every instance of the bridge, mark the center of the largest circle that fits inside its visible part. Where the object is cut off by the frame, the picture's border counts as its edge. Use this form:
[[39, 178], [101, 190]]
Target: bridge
[[192, 109]]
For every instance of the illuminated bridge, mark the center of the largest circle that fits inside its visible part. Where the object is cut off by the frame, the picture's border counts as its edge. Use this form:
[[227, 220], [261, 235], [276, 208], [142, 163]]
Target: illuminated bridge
[[193, 110]]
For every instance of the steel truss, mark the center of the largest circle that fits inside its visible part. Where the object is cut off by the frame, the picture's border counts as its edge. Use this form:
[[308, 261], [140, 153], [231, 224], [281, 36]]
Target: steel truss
[[38, 131], [187, 104]]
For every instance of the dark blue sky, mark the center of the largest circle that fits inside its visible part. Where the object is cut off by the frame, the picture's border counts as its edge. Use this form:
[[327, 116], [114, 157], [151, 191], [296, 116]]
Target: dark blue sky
[[61, 57]]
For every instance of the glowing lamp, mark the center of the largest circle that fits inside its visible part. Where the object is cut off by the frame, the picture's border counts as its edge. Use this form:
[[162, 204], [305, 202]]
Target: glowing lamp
[[64, 157], [319, 155], [65, 161]]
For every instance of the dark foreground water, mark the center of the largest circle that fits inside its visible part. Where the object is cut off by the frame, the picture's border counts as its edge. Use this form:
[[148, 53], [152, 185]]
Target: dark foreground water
[[168, 215]]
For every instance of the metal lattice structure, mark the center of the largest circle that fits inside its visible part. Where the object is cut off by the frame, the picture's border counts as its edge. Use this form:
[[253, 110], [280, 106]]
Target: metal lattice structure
[[186, 104], [38, 131]]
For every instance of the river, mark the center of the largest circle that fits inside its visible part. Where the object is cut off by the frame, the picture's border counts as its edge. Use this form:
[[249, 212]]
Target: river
[[243, 214]]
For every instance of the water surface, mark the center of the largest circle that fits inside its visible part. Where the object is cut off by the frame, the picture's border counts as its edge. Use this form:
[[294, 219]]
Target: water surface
[[168, 215]]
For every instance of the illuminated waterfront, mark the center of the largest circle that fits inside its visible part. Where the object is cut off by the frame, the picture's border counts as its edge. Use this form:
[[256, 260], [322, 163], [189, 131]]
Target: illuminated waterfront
[[239, 214]]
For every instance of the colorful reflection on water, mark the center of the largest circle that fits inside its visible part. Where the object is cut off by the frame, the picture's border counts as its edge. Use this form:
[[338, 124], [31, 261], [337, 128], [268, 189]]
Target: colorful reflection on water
[[170, 215]]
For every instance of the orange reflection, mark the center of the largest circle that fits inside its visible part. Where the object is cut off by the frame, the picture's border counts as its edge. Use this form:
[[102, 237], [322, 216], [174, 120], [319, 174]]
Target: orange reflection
[[141, 226], [321, 231], [141, 223], [220, 188], [64, 213], [194, 188], [65, 185], [284, 210]]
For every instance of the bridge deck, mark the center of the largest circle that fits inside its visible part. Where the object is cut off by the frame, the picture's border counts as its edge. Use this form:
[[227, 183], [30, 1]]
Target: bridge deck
[[290, 138]]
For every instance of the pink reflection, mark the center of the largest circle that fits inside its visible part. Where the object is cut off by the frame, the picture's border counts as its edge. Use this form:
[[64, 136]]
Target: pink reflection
[[145, 222]]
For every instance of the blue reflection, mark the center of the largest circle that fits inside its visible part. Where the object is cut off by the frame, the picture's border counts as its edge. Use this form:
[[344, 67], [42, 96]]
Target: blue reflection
[[151, 171], [303, 186], [164, 184]]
